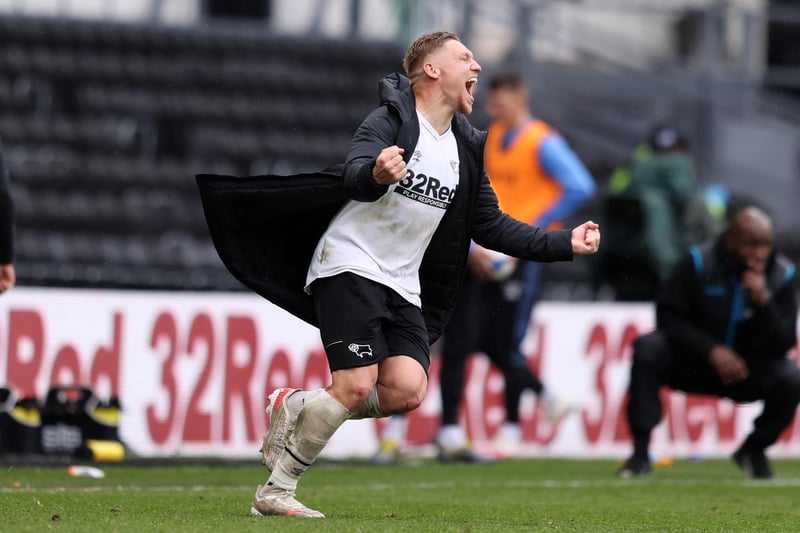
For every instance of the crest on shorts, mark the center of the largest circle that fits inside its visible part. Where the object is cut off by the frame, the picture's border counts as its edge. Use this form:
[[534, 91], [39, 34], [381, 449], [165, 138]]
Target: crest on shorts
[[361, 350]]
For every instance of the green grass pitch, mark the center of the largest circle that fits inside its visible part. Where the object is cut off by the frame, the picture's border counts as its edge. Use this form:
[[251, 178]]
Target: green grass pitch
[[520, 495]]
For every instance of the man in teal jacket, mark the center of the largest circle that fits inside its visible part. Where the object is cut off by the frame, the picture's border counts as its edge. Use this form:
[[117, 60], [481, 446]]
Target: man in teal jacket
[[647, 215], [726, 318]]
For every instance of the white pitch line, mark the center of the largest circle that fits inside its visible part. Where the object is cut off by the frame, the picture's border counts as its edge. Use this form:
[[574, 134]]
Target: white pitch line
[[125, 488], [544, 484]]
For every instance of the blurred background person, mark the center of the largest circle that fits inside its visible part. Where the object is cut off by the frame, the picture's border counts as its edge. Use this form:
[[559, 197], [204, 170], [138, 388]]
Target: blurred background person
[[538, 179], [726, 318], [647, 212], [7, 274]]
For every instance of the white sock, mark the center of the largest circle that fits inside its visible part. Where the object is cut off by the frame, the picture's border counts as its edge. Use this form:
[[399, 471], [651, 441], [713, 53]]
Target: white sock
[[371, 408], [318, 421], [297, 400], [452, 437], [395, 429]]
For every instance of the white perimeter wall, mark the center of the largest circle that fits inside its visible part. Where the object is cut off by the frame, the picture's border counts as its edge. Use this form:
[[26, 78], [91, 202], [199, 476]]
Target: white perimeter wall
[[192, 372]]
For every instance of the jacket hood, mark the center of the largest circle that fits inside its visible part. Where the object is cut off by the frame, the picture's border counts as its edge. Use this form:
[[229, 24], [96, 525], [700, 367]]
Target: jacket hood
[[395, 90]]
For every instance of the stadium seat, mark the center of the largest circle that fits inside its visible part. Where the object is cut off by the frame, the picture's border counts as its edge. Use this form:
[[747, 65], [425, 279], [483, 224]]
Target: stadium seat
[[105, 126]]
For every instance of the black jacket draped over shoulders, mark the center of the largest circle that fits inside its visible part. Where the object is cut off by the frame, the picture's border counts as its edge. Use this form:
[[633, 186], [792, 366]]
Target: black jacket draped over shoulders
[[266, 228]]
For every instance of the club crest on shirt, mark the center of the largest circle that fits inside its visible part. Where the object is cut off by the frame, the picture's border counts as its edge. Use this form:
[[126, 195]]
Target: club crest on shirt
[[454, 166], [416, 156]]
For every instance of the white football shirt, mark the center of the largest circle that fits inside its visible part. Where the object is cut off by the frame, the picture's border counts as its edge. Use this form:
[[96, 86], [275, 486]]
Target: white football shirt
[[385, 240]]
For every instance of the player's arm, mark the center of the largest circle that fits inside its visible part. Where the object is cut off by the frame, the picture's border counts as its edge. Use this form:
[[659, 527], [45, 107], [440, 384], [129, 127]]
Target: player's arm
[[563, 165], [375, 134], [495, 230]]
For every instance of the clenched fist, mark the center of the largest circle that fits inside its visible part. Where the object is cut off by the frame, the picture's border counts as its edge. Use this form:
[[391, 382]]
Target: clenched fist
[[586, 238], [389, 166]]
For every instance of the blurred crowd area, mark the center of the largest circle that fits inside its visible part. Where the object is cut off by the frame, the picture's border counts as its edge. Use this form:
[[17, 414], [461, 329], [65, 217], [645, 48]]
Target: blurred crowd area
[[108, 109]]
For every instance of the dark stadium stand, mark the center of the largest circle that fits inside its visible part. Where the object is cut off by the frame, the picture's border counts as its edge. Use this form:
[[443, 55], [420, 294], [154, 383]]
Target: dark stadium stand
[[105, 125]]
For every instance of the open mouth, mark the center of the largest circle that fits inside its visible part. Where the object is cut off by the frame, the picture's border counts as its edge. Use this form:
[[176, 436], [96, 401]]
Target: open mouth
[[470, 85]]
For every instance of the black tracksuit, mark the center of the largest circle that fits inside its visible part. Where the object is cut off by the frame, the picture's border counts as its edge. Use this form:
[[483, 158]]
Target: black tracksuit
[[702, 304]]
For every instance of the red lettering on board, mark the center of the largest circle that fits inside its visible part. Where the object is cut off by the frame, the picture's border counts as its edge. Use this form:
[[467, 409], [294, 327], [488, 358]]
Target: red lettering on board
[[106, 363], [239, 373], [535, 430], [607, 421], [422, 426], [25, 350], [279, 373], [66, 369], [316, 374], [165, 340], [197, 424]]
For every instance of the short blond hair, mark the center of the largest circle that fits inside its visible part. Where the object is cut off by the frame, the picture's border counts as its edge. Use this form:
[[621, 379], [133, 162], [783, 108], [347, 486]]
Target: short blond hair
[[422, 47]]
